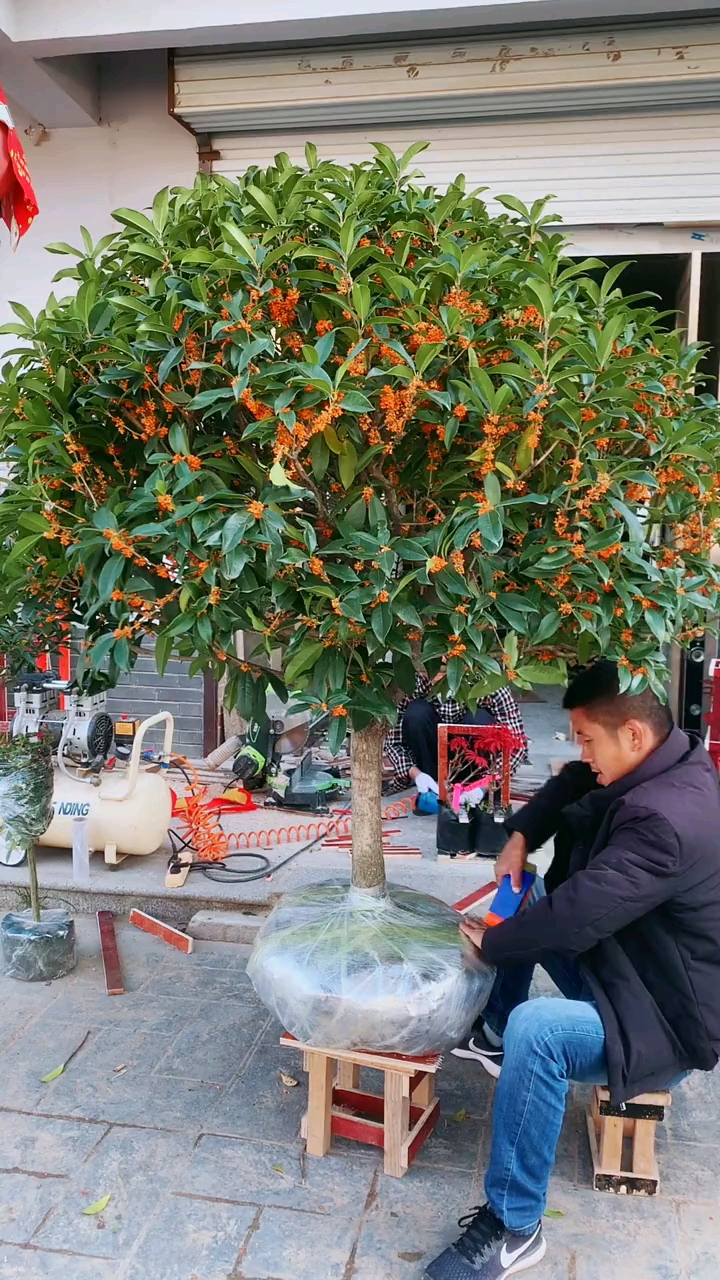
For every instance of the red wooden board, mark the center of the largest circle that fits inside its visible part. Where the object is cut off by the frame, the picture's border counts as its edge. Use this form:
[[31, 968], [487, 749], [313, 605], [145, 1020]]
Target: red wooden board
[[111, 959]]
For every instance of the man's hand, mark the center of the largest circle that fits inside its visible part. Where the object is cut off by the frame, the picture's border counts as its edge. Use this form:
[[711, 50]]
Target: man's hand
[[511, 861], [474, 930]]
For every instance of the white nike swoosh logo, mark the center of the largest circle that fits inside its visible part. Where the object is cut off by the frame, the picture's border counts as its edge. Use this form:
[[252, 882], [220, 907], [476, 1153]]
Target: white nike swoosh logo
[[507, 1259]]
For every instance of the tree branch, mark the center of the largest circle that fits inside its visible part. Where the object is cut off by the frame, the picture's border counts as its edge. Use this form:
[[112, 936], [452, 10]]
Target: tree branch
[[396, 515], [311, 485]]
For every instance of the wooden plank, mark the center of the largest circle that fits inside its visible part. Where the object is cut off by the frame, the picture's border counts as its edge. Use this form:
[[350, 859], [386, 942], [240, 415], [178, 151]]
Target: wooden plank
[[397, 1122], [660, 1099], [644, 1163], [319, 1112], [358, 1129], [472, 899], [111, 960], [423, 1089], [158, 929], [423, 1130], [348, 1075], [611, 1143], [370, 1057]]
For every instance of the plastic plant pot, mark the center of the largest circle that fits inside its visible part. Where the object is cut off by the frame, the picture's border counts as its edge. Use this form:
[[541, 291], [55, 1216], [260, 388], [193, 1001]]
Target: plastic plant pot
[[37, 950]]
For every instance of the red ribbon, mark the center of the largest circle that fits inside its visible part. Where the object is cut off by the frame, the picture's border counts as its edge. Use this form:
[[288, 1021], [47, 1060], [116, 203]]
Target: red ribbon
[[18, 205]]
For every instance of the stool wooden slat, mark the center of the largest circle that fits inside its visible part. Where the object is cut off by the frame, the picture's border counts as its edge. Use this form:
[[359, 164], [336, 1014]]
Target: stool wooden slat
[[399, 1121], [622, 1142]]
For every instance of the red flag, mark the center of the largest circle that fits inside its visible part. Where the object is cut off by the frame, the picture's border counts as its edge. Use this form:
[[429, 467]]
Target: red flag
[[18, 205]]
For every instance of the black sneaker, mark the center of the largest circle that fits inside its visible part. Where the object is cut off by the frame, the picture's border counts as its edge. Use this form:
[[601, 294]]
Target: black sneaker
[[478, 1046], [486, 1250]]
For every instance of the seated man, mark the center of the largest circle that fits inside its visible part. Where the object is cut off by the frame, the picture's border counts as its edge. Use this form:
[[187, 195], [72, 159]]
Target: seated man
[[412, 745], [630, 933]]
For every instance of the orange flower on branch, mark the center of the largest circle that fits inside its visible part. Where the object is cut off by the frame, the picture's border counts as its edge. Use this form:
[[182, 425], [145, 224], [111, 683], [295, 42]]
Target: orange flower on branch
[[256, 509]]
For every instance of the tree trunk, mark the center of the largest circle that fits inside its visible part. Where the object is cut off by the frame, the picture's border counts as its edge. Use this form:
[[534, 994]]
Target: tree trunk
[[368, 864], [34, 891]]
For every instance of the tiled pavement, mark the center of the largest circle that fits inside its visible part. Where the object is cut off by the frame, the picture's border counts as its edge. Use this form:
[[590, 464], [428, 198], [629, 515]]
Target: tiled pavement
[[196, 1142]]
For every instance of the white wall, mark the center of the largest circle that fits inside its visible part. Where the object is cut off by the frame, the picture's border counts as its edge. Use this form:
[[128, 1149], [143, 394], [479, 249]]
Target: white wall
[[81, 175]]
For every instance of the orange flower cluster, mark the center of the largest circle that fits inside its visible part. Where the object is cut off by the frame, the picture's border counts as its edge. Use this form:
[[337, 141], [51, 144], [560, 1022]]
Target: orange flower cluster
[[399, 406], [165, 502], [283, 306], [435, 564], [256, 509], [193, 353], [461, 300], [324, 326], [424, 332], [256, 407]]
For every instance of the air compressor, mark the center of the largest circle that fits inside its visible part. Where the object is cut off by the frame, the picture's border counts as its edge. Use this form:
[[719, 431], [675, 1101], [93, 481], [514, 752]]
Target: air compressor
[[128, 808]]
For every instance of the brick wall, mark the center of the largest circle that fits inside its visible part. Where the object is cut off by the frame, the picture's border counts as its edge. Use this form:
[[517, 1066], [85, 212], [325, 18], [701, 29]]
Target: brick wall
[[144, 692]]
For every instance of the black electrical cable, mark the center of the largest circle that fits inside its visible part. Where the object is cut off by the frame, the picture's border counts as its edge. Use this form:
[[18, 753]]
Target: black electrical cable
[[225, 874]]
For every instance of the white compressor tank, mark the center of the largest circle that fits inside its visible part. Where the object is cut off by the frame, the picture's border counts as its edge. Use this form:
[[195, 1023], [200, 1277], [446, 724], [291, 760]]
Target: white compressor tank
[[129, 813]]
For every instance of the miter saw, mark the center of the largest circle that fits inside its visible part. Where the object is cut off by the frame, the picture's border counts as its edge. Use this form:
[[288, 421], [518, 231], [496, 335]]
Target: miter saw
[[275, 752]]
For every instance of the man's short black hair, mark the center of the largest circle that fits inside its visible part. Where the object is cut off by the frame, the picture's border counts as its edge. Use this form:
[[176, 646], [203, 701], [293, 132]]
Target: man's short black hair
[[597, 690]]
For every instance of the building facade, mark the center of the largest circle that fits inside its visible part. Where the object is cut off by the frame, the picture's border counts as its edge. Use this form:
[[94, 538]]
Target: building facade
[[611, 107]]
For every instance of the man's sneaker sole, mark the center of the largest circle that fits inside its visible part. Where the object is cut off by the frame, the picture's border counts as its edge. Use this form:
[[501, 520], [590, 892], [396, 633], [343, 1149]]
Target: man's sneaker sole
[[486, 1060], [524, 1264]]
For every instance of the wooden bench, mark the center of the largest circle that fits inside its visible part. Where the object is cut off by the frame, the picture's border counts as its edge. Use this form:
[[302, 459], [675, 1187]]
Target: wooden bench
[[622, 1142], [400, 1120]]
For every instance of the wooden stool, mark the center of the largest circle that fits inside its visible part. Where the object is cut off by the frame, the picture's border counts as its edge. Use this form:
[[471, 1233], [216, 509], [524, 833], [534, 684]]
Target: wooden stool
[[622, 1142], [400, 1120]]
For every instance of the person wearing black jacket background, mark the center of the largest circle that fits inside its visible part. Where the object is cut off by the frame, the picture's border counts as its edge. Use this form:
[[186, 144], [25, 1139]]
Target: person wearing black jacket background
[[629, 930]]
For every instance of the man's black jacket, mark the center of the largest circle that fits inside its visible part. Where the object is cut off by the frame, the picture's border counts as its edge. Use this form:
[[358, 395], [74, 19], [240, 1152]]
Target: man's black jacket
[[635, 890]]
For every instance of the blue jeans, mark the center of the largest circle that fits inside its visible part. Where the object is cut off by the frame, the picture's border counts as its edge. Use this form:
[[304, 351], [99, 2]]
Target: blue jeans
[[547, 1043]]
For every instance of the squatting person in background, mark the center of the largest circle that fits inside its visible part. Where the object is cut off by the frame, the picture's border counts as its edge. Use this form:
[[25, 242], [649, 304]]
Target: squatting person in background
[[412, 745]]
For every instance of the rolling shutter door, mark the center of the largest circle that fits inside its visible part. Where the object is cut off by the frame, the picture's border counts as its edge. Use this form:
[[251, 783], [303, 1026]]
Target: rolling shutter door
[[620, 126], [663, 167]]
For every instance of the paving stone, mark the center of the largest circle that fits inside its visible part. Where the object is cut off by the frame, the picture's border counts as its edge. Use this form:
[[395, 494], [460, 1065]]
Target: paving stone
[[191, 1238], [689, 1170], [149, 1101], [24, 1201], [31, 1055], [201, 982], [135, 1167], [700, 1241], [295, 1246], [270, 1174], [614, 1237], [410, 1221], [461, 1084], [35, 1144], [456, 1142], [258, 1105], [214, 1046], [165, 1017], [35, 1264], [218, 954], [694, 1115]]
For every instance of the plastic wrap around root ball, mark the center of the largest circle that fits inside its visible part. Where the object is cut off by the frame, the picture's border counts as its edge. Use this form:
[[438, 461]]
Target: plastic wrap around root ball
[[342, 969], [26, 790], [37, 950]]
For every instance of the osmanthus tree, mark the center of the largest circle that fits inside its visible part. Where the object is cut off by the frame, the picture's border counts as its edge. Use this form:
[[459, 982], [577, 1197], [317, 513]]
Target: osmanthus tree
[[372, 421]]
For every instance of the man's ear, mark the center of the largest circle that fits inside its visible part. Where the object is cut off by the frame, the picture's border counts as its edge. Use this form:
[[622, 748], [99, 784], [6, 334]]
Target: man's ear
[[638, 732]]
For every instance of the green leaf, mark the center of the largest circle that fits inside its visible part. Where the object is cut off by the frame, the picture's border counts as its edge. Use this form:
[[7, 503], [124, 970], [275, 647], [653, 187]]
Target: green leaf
[[163, 651], [240, 239], [655, 622], [542, 673], [109, 575], [637, 533], [97, 1207], [133, 218], [493, 492], [53, 1075], [381, 620], [264, 202], [553, 1213], [168, 362], [356, 402], [408, 613], [305, 658], [347, 462], [336, 733]]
